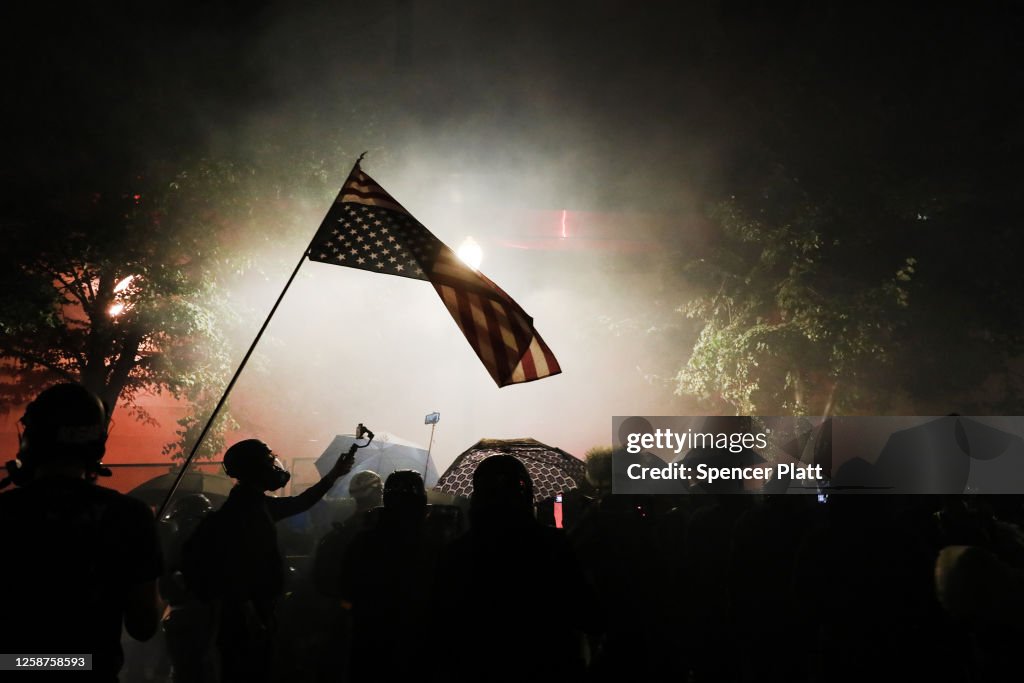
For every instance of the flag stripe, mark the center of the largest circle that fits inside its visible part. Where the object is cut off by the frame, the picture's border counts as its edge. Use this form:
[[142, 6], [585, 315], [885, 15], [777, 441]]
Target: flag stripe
[[497, 342], [359, 193], [529, 369], [550, 362], [539, 361], [361, 199], [468, 324], [367, 229], [488, 351], [506, 329]]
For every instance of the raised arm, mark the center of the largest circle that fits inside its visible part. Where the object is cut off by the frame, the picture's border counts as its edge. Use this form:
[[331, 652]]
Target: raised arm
[[280, 508]]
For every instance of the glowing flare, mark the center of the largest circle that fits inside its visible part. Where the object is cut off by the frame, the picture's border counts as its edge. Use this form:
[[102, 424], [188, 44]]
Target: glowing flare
[[123, 284], [471, 253]]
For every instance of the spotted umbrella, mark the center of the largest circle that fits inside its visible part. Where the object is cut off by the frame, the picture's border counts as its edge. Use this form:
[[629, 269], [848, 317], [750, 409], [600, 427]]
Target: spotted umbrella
[[553, 470]]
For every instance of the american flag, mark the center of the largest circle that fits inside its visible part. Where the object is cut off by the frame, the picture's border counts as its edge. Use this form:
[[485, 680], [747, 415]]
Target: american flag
[[366, 228]]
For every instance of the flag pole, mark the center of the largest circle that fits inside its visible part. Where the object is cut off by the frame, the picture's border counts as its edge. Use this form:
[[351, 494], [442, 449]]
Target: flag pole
[[241, 366]]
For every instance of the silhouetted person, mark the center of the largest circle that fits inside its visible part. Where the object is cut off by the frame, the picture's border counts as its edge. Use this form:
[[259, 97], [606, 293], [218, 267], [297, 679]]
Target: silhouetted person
[[518, 597], [765, 542], [981, 585], [709, 538], [334, 655], [243, 538], [189, 624], [616, 544], [386, 581], [80, 560], [366, 489], [863, 592]]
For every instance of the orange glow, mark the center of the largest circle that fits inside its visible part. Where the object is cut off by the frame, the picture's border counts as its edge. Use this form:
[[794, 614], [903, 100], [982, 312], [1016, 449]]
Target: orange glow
[[123, 284]]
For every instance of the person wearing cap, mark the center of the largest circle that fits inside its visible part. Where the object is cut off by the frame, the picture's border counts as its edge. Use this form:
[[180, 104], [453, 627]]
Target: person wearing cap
[[80, 559], [251, 557]]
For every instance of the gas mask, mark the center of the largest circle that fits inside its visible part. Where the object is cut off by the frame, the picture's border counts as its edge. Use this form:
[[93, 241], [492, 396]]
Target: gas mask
[[276, 476]]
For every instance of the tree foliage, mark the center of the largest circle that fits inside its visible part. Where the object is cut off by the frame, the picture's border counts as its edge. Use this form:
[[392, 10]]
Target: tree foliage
[[796, 315], [124, 291]]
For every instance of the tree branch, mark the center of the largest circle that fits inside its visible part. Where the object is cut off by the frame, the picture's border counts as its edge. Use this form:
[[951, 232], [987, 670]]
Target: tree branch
[[32, 359], [118, 377], [68, 286]]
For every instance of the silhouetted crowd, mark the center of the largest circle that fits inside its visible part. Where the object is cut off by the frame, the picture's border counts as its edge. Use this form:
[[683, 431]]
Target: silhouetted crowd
[[689, 588]]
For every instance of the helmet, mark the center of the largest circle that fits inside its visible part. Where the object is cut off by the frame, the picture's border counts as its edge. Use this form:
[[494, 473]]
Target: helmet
[[404, 487], [66, 421], [194, 505], [365, 484], [252, 461]]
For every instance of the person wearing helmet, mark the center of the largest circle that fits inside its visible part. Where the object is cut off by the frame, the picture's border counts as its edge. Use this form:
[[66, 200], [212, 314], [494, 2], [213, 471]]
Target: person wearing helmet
[[81, 559], [366, 489], [189, 509], [385, 584], [252, 563]]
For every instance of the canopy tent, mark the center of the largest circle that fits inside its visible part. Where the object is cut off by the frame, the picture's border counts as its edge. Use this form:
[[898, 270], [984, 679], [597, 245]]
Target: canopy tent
[[553, 470], [216, 487]]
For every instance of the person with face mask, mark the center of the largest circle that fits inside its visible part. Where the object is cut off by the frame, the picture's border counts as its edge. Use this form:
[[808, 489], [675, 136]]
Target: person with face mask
[[251, 564]]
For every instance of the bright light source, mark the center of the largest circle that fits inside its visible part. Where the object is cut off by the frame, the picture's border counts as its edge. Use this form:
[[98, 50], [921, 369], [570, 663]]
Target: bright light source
[[115, 310], [471, 253], [123, 284]]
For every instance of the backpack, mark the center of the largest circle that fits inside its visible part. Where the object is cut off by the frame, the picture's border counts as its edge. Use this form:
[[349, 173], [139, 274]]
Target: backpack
[[203, 564]]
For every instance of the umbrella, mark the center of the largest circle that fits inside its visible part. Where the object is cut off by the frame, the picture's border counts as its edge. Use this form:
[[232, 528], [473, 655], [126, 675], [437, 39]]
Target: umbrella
[[953, 454], [384, 455], [214, 486], [553, 470]]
